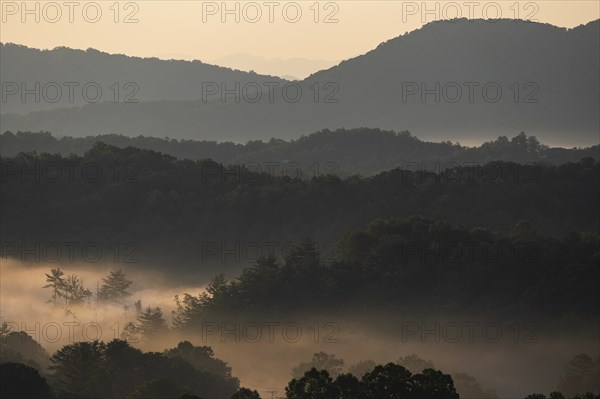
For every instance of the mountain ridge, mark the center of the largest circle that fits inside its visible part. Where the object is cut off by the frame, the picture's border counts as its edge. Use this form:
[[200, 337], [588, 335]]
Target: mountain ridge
[[530, 65]]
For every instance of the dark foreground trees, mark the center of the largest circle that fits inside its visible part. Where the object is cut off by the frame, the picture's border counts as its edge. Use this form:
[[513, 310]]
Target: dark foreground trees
[[245, 393], [117, 370], [390, 381], [559, 395], [18, 381]]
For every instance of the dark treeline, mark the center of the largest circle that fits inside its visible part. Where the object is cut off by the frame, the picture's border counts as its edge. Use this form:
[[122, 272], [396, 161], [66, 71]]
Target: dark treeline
[[116, 369], [415, 267], [343, 152], [147, 198]]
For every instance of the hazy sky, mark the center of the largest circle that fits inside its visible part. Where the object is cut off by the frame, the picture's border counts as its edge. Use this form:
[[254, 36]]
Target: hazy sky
[[193, 29]]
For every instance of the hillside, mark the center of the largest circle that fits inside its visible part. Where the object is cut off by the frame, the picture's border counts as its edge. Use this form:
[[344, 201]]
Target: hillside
[[153, 79], [488, 78]]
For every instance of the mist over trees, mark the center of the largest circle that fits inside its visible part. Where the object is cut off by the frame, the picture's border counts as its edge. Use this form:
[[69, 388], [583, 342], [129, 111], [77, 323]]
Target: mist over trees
[[152, 322], [420, 220], [20, 347], [541, 220], [343, 152], [116, 369], [418, 264], [582, 375], [71, 288], [320, 361]]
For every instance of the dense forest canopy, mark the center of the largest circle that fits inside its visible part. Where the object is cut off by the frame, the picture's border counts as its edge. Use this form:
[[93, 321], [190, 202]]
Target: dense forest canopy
[[415, 267], [141, 197]]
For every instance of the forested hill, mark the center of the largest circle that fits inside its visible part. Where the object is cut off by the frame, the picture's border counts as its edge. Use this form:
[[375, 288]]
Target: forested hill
[[484, 77], [141, 196], [118, 76], [343, 152], [413, 267]]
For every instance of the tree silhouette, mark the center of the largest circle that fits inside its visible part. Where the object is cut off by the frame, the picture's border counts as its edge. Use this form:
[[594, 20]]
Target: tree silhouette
[[189, 396], [305, 255], [75, 292], [348, 387], [361, 368], [313, 385], [114, 287], [201, 357], [245, 393], [152, 322], [130, 368], [320, 361], [55, 281], [157, 389], [18, 346], [131, 332], [433, 384], [391, 381], [78, 370], [18, 381]]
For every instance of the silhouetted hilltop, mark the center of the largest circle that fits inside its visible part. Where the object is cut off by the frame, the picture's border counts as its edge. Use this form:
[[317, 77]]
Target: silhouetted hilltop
[[153, 79], [461, 80]]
